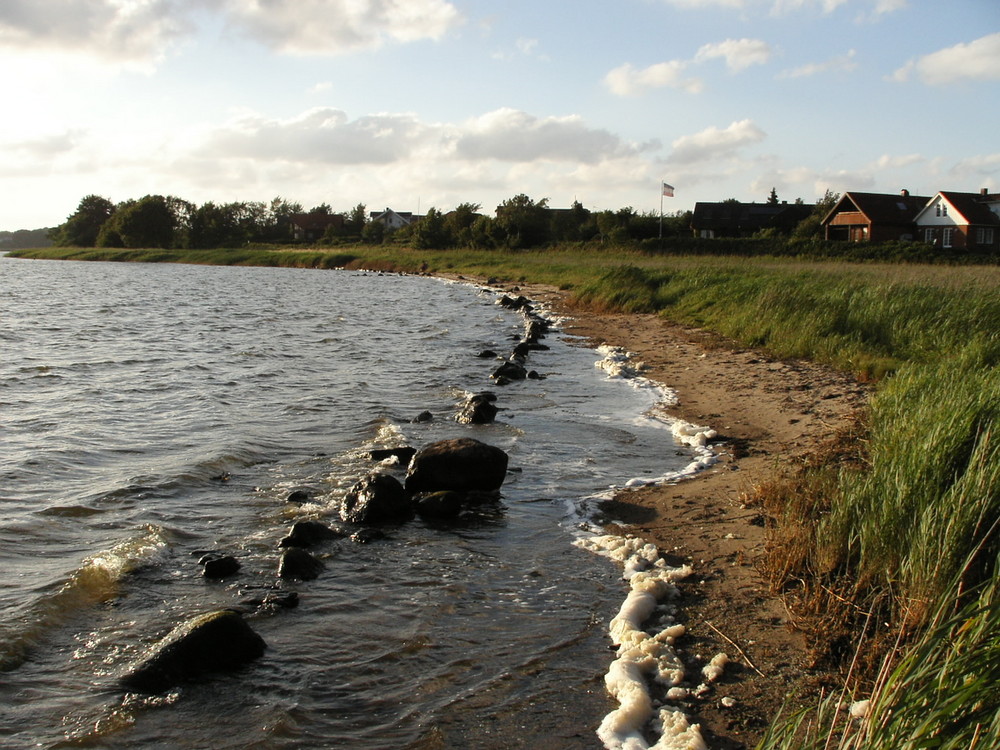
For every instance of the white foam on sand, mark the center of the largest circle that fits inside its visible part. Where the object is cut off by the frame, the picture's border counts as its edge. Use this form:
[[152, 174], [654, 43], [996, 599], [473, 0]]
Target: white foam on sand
[[620, 363], [643, 657]]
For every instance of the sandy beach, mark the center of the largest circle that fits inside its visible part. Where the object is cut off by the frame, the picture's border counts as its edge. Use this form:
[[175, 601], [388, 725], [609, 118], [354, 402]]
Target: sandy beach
[[768, 414]]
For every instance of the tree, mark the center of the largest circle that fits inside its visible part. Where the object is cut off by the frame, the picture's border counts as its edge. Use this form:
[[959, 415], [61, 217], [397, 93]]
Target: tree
[[460, 221], [572, 225], [773, 197], [811, 227], [356, 219], [84, 225], [218, 226], [522, 222], [431, 232], [147, 222]]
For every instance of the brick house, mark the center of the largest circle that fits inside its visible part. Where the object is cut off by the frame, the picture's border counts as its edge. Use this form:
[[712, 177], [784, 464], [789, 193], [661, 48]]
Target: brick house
[[875, 217], [967, 221]]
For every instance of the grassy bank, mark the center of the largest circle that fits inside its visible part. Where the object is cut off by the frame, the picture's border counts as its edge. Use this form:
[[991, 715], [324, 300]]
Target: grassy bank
[[886, 545]]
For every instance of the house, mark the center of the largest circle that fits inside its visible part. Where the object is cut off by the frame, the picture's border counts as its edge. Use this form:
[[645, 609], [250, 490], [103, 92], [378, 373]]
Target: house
[[969, 221], [393, 220], [875, 217], [312, 227], [735, 219]]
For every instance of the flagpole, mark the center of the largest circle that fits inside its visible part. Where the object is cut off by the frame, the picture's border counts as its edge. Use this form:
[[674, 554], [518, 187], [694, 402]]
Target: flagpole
[[661, 209]]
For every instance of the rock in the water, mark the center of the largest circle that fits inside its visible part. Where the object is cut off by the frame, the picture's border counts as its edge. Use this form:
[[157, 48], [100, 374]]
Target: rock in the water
[[378, 498], [367, 535], [462, 465], [479, 409], [297, 563], [298, 496], [403, 455], [308, 533], [520, 303], [444, 504], [212, 642], [219, 566], [509, 371], [487, 354], [273, 601], [424, 416]]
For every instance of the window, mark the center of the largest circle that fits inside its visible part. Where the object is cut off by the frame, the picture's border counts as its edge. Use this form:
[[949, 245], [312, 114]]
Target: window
[[937, 209], [947, 237], [984, 236], [944, 209], [929, 236]]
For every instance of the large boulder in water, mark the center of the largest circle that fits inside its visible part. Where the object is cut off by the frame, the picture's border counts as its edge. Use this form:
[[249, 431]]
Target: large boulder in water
[[378, 498], [461, 465], [213, 642]]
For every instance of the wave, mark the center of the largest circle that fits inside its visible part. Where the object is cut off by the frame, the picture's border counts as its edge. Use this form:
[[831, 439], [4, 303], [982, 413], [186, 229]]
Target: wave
[[96, 580]]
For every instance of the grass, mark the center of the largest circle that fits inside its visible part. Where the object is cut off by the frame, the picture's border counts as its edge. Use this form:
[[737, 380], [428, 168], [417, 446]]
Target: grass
[[887, 542]]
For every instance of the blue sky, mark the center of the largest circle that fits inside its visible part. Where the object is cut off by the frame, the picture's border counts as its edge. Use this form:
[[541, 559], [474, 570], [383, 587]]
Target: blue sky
[[420, 103]]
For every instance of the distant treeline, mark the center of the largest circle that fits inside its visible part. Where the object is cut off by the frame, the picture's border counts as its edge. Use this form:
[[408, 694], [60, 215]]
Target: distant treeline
[[157, 221], [519, 223], [24, 238]]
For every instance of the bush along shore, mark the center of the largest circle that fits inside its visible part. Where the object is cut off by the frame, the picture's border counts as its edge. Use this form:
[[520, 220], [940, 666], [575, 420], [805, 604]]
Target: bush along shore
[[885, 544]]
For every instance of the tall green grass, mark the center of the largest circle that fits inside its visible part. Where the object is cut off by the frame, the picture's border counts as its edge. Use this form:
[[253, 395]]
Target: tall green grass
[[941, 691], [856, 321]]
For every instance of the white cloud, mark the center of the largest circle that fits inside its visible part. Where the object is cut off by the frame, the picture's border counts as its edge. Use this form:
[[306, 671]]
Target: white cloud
[[780, 7], [976, 60], [713, 143], [980, 167], [326, 136], [142, 31], [626, 80], [738, 53], [329, 27], [130, 31], [840, 64], [319, 136], [888, 161], [511, 135]]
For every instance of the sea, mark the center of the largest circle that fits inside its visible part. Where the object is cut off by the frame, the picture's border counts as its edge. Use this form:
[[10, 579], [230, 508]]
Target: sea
[[153, 413]]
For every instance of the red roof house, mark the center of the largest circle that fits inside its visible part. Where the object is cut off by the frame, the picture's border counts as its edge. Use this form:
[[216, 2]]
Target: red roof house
[[875, 217], [961, 220]]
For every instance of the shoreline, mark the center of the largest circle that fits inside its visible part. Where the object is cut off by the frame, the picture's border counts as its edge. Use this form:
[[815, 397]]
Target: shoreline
[[768, 413]]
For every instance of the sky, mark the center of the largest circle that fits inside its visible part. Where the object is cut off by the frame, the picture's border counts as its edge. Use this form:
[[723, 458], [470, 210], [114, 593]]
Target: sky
[[411, 104]]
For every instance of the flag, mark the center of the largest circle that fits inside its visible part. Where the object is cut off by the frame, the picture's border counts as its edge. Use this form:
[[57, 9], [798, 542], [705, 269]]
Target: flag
[[668, 190]]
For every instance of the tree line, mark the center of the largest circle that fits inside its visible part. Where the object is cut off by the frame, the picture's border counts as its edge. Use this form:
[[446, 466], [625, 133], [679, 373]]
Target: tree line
[[519, 222]]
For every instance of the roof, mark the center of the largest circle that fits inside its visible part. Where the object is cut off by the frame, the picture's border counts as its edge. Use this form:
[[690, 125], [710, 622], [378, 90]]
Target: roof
[[972, 207], [736, 215], [316, 220], [881, 208]]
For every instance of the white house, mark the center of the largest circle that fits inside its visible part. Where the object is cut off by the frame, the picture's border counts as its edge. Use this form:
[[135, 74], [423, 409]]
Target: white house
[[393, 220], [968, 221]]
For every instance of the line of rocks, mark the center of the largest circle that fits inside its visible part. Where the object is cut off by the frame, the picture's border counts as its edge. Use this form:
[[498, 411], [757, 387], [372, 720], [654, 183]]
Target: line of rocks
[[442, 480]]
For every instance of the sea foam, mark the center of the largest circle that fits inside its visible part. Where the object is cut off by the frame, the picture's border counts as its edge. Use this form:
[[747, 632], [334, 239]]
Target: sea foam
[[643, 657]]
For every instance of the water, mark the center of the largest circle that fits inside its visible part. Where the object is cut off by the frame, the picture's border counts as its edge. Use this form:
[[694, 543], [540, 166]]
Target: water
[[151, 412]]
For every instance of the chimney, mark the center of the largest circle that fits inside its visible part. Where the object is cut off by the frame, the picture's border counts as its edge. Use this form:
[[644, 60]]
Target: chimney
[[904, 192], [984, 192]]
